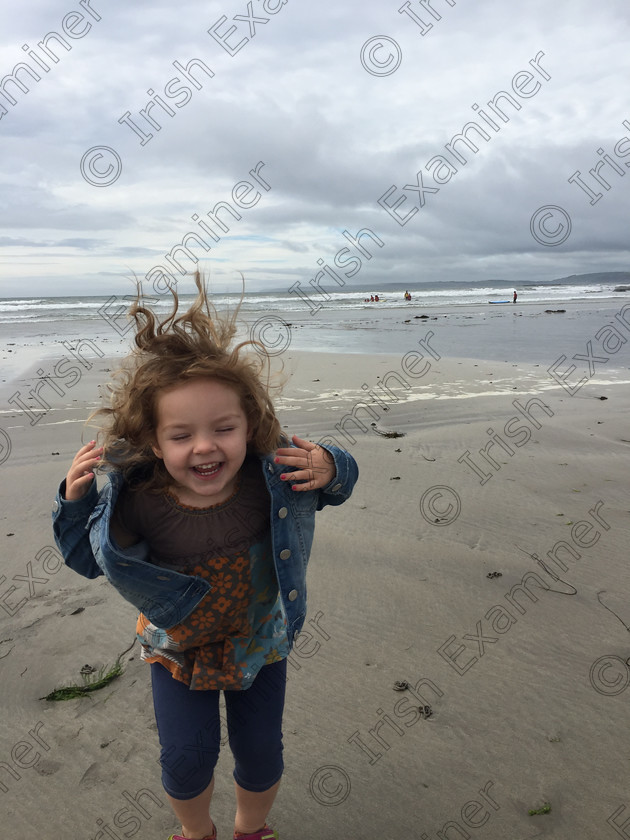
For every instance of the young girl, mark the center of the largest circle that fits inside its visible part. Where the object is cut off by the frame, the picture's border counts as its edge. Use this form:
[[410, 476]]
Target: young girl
[[206, 526]]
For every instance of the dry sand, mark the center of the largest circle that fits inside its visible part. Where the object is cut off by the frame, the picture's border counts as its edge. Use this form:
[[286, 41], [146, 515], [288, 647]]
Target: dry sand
[[527, 697]]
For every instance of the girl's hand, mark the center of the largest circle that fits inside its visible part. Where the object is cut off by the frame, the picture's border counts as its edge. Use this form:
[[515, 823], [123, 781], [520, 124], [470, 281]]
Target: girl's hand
[[80, 474], [311, 464]]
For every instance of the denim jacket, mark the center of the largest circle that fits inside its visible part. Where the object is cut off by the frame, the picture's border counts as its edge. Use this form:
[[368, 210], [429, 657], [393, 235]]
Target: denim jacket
[[167, 597]]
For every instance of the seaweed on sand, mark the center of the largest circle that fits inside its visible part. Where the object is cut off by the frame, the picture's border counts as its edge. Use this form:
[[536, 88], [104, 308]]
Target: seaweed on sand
[[92, 681]]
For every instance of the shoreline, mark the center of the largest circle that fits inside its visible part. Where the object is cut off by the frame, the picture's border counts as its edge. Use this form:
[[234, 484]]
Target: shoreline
[[523, 333], [376, 382]]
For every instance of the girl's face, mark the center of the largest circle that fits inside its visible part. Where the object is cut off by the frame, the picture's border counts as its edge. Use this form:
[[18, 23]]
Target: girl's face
[[201, 436]]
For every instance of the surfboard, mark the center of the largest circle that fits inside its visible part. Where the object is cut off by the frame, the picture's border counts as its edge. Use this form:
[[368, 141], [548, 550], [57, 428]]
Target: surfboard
[[499, 301]]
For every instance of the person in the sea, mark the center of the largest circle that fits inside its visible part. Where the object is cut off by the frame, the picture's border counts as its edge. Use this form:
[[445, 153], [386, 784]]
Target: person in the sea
[[515, 296], [205, 525]]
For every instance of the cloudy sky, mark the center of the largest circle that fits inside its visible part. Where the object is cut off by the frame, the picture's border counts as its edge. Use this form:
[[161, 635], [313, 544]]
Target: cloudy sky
[[334, 106]]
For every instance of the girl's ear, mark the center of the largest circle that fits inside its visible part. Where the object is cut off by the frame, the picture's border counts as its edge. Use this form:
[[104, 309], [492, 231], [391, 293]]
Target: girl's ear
[[157, 451]]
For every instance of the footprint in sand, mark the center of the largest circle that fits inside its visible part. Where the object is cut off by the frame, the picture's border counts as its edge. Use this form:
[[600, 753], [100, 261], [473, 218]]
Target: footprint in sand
[[98, 774], [46, 767]]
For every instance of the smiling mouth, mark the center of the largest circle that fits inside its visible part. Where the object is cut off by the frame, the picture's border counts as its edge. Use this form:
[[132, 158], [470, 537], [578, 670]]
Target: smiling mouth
[[207, 470]]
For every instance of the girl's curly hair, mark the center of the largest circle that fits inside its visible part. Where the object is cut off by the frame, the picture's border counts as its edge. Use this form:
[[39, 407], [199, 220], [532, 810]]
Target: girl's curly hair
[[178, 349]]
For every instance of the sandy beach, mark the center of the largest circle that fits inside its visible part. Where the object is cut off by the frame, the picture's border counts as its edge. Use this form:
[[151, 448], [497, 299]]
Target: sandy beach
[[479, 565]]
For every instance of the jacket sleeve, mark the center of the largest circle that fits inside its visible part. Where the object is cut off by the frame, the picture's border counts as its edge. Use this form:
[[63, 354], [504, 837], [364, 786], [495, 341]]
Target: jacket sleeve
[[340, 488], [70, 527]]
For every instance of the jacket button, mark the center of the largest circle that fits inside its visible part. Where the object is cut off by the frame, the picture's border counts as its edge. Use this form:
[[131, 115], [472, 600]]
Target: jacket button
[[282, 513], [55, 506], [293, 595], [336, 487], [285, 554]]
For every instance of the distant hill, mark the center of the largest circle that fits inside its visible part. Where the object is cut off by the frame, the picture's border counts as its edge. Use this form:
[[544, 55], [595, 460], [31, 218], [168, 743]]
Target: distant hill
[[600, 277]]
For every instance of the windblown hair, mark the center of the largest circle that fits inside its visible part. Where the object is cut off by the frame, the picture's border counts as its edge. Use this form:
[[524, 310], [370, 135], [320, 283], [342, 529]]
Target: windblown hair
[[180, 348]]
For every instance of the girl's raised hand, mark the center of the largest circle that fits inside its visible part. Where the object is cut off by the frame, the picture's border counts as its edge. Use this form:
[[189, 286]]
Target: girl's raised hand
[[80, 474], [311, 464]]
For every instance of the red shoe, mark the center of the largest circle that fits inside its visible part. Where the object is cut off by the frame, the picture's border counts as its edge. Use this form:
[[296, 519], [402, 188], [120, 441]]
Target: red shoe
[[265, 833], [212, 836]]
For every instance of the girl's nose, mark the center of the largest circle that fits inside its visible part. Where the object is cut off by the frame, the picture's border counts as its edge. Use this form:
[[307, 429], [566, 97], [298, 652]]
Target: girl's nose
[[204, 444]]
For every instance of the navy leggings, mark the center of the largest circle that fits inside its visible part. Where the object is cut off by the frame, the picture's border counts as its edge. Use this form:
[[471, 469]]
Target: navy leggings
[[189, 728]]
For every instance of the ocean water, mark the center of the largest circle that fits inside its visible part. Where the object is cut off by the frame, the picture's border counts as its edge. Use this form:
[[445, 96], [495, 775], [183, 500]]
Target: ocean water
[[62, 310], [33, 330]]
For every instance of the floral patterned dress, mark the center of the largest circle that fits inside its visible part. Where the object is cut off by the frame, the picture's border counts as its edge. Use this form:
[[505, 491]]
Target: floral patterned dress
[[239, 626]]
